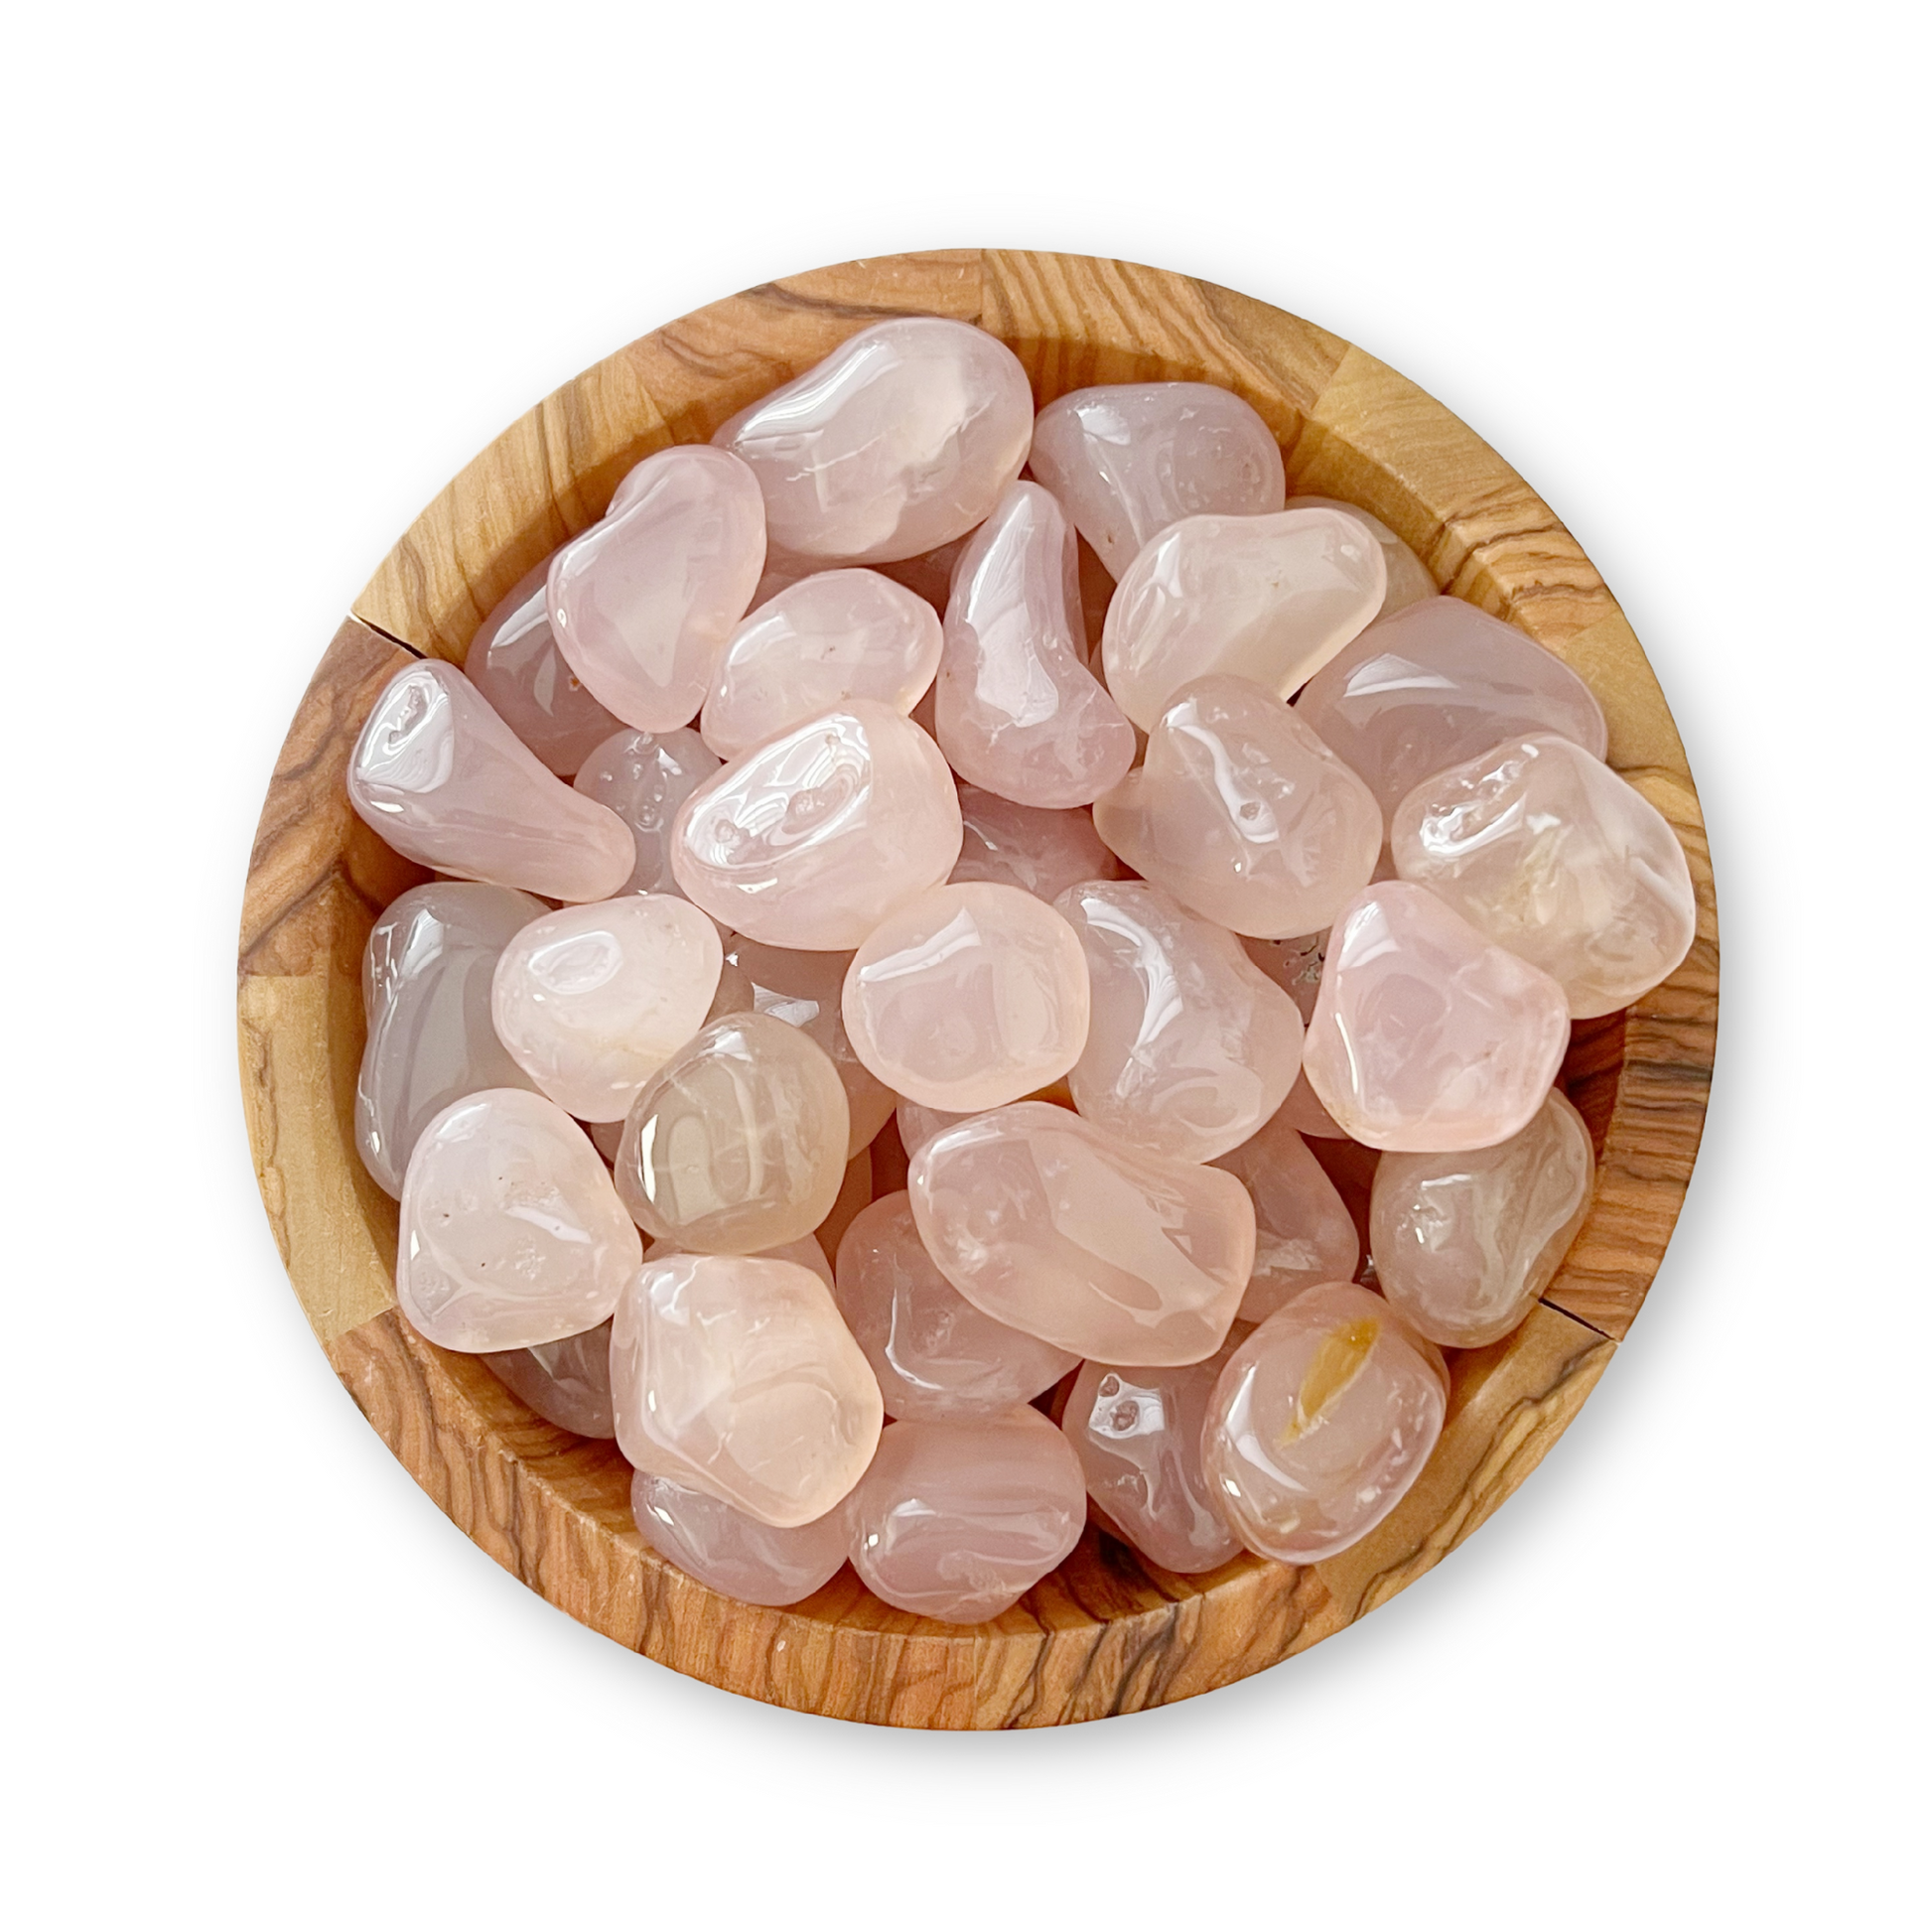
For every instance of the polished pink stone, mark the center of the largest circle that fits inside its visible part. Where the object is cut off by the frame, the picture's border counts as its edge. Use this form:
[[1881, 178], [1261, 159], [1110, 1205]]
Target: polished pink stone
[[1042, 852], [1294, 965], [917, 1125], [1303, 1232], [958, 1520], [1409, 578], [733, 1553], [445, 782], [566, 1382], [644, 778], [805, 1252], [641, 603], [1427, 1037]]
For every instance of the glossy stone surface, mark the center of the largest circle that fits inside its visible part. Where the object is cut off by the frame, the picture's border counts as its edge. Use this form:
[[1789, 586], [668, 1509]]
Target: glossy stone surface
[[806, 1253], [641, 603], [566, 1382], [901, 440], [1321, 1422], [1046, 1224], [968, 997], [1294, 965], [810, 840], [1016, 709], [958, 1520], [734, 1553], [733, 1375], [1464, 1243], [1437, 683], [1303, 1232], [1427, 1037], [1041, 852], [1409, 578], [736, 1143], [1243, 814], [511, 1234], [824, 640], [1190, 1046], [1545, 850], [1127, 460], [643, 777], [445, 782], [917, 1125]]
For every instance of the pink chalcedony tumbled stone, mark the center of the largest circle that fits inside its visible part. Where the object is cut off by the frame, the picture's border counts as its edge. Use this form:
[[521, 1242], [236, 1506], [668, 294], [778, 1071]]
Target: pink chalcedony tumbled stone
[[958, 1520], [1294, 965], [816, 645], [736, 1376], [1436, 683], [1129, 459], [1041, 852], [566, 1382], [968, 997], [1427, 1037], [511, 1233], [1409, 578], [1545, 850], [917, 1125], [1267, 598], [733, 1553], [641, 603], [1243, 814], [1016, 709], [644, 778], [899, 441], [1303, 1232], [445, 782], [1321, 1422], [936, 1355], [1046, 1224]]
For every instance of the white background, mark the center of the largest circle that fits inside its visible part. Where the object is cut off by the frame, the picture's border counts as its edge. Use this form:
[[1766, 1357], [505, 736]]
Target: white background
[[276, 274]]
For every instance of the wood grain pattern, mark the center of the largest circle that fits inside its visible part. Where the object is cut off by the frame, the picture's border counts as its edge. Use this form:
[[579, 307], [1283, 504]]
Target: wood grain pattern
[[1106, 1633]]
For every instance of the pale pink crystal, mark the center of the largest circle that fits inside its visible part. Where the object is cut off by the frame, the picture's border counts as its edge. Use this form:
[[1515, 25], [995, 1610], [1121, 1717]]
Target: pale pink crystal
[[958, 1520], [644, 778], [1427, 1037], [733, 1553], [641, 604], [566, 1382], [1041, 852], [736, 1376], [1321, 1421], [1049, 1224], [1303, 1232], [511, 1233], [445, 782], [1409, 578], [899, 441], [1243, 814], [1303, 1111], [1294, 965], [804, 1252]]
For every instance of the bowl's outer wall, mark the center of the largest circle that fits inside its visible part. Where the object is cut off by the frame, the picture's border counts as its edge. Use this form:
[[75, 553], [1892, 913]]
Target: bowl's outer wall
[[1105, 1633]]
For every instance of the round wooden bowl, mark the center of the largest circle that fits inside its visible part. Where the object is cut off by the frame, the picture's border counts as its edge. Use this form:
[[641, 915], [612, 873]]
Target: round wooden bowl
[[1106, 1632]]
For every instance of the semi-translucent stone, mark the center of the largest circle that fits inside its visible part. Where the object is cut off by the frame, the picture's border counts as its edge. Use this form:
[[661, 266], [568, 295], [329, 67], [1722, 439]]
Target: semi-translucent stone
[[733, 1553], [1294, 965], [1190, 1046], [958, 1520], [513, 660], [1041, 852], [445, 782], [511, 1233], [812, 838], [736, 1376], [1464, 1243], [899, 441], [1409, 578], [1321, 1422], [1267, 598], [1243, 813], [566, 1382], [1304, 1231], [936, 1355], [1047, 1223], [968, 997], [736, 1143], [824, 640], [643, 777], [1425, 1037], [917, 1125], [806, 1253], [1545, 850]]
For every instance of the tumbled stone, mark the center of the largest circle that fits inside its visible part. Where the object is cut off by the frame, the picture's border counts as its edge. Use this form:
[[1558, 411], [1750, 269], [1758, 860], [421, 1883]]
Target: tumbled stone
[[734, 1375], [806, 1253], [958, 1520], [1046, 1222], [511, 1234], [733, 1553], [1304, 1231], [917, 1125], [1545, 850], [1427, 1037], [644, 778], [1041, 852], [1243, 814], [808, 841], [1409, 578], [566, 1382], [1321, 1422], [899, 441], [445, 782], [1294, 965]]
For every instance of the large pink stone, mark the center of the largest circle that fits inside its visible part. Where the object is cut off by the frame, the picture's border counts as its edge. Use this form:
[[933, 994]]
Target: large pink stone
[[644, 778], [1046, 1224], [958, 1520], [734, 1375], [1436, 683], [511, 1234], [566, 1382], [899, 441], [1243, 814], [810, 840], [1321, 1422], [1190, 1046], [1041, 852], [1425, 1037], [445, 782], [1409, 578], [641, 603], [734, 1553], [1304, 1231], [1016, 708]]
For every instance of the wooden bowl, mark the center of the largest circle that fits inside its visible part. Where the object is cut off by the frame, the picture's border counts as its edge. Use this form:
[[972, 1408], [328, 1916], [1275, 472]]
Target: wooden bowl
[[1106, 1632]]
